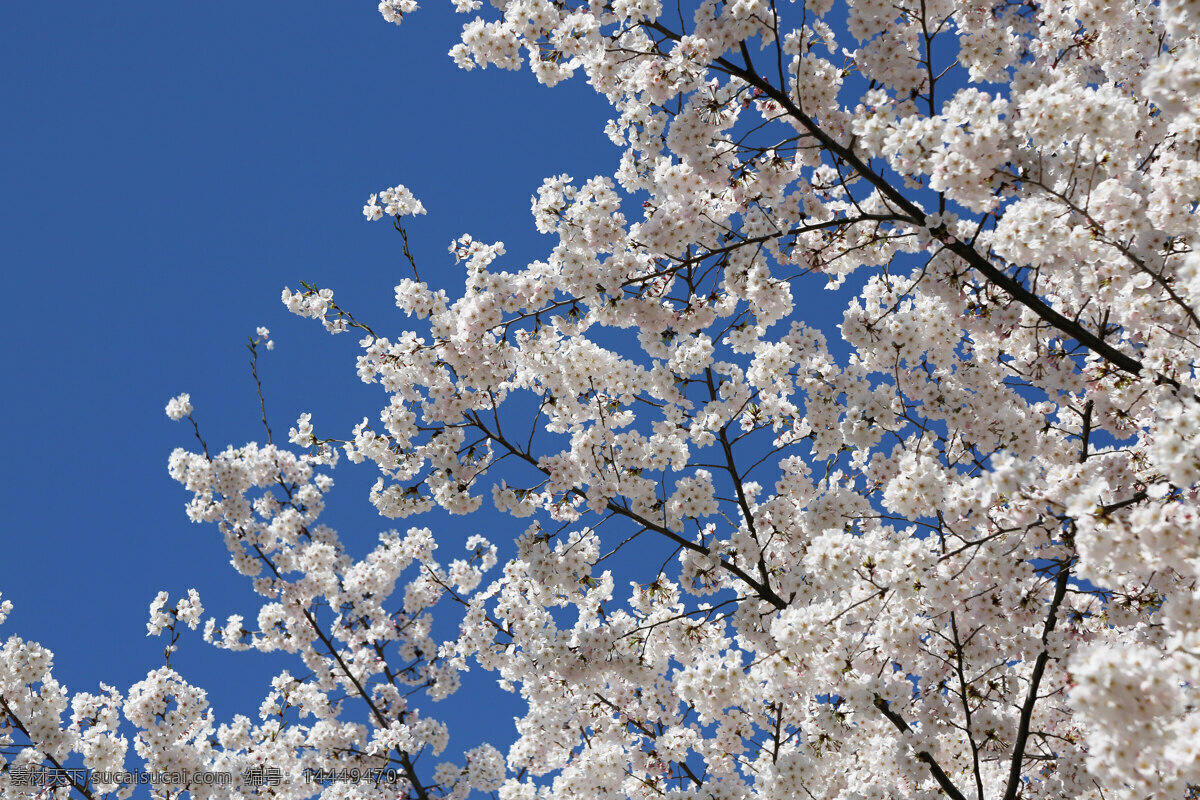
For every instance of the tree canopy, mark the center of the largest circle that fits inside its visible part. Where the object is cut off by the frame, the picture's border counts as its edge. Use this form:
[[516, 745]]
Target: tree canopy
[[947, 548]]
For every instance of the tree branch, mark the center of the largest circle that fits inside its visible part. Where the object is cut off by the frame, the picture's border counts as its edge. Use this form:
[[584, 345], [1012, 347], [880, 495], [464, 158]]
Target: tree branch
[[1035, 680], [916, 216], [935, 769]]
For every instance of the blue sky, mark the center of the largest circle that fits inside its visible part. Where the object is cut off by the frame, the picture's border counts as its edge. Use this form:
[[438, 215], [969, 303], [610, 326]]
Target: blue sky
[[169, 168]]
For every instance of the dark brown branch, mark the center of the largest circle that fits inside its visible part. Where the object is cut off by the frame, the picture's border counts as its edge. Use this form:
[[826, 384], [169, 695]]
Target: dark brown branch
[[966, 703], [262, 403], [935, 769], [916, 216], [8, 712], [410, 771], [1035, 680], [763, 591]]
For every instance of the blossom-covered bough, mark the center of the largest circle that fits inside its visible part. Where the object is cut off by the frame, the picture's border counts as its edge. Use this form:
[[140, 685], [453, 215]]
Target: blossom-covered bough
[[953, 554]]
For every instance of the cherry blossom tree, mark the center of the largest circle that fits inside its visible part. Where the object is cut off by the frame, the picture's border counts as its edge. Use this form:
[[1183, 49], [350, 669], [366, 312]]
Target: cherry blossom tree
[[947, 549]]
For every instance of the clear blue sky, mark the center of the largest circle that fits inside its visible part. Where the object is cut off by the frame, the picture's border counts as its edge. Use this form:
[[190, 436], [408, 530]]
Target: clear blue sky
[[168, 168]]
